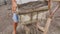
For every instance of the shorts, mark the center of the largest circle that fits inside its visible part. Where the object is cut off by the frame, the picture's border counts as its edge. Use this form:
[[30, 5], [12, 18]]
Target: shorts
[[15, 17]]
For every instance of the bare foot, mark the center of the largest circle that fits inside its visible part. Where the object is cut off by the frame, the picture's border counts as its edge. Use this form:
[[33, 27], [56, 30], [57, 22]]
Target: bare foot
[[14, 32]]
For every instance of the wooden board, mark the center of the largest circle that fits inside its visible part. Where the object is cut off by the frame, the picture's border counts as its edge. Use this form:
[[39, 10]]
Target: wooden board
[[32, 7], [40, 9]]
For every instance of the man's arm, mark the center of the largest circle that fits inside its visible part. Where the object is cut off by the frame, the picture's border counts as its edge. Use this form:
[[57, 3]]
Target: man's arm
[[14, 6]]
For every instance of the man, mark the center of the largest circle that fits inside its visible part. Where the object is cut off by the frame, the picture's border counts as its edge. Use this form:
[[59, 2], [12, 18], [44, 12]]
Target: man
[[15, 16]]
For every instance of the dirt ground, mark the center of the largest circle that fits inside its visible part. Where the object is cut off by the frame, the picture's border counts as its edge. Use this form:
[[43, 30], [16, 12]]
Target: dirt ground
[[6, 22]]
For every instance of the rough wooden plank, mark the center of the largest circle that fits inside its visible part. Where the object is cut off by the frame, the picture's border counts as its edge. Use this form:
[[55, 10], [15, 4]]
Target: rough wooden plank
[[30, 7], [47, 25], [29, 22], [40, 9], [40, 28]]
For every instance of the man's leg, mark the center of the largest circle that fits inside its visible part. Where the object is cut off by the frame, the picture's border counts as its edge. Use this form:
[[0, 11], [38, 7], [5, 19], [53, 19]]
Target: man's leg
[[15, 19], [14, 27]]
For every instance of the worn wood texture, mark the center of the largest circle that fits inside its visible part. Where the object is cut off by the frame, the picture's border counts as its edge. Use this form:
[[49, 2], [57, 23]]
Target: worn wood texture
[[26, 19], [31, 7], [32, 12]]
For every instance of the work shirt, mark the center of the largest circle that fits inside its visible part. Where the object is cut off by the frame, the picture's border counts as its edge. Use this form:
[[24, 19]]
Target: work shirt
[[24, 1]]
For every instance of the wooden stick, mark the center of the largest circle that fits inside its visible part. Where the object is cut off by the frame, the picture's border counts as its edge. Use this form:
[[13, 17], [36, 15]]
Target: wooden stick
[[47, 25], [50, 19], [49, 6], [40, 28], [57, 7]]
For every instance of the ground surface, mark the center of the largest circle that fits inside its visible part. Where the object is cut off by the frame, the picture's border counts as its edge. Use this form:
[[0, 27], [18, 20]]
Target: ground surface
[[6, 21]]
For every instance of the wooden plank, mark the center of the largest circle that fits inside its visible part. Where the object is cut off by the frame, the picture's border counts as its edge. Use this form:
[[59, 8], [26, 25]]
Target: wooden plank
[[29, 22], [47, 25], [44, 8], [40, 28]]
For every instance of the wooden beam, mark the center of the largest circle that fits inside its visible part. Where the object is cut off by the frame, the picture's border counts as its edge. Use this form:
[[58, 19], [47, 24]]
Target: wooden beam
[[44, 8], [47, 25], [40, 28], [49, 6], [53, 12]]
